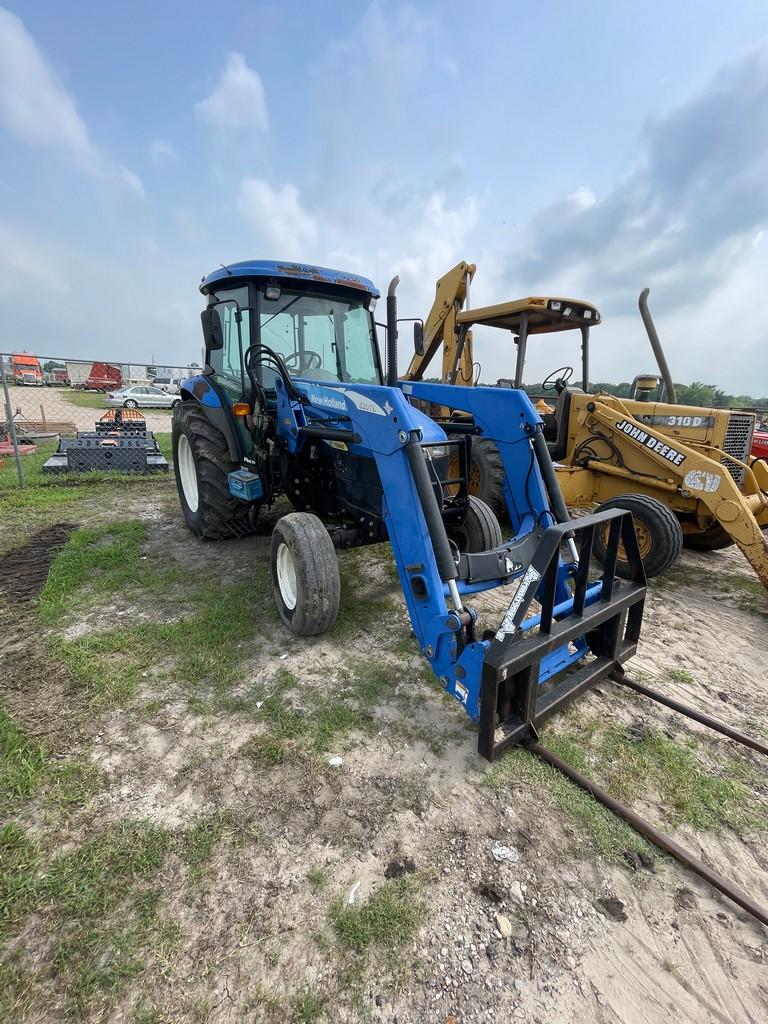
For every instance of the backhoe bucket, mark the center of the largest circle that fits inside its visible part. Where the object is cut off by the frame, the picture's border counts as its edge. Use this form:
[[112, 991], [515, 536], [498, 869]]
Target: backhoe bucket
[[602, 619]]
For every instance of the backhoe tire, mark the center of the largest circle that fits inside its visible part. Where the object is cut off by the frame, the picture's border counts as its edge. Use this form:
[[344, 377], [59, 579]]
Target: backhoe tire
[[659, 534], [305, 574], [480, 530], [201, 462], [486, 475], [715, 538]]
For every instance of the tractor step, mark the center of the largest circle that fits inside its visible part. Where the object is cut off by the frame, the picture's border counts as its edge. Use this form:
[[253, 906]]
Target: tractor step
[[536, 666]]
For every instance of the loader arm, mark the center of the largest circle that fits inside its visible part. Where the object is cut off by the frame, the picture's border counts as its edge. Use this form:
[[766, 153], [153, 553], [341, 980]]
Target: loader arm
[[688, 471], [440, 329]]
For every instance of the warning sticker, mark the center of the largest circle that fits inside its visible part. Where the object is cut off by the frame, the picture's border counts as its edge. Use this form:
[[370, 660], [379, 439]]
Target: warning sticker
[[507, 625]]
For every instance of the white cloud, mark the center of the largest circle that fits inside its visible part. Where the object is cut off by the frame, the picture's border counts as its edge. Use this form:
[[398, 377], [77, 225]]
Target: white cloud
[[237, 99], [36, 109], [283, 226], [162, 152], [583, 197], [25, 263]]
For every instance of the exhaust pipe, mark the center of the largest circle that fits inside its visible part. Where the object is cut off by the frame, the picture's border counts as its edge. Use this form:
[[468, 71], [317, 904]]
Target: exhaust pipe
[[392, 332], [669, 388]]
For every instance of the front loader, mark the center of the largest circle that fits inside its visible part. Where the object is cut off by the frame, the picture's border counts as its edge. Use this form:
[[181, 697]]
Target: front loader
[[293, 402], [685, 472]]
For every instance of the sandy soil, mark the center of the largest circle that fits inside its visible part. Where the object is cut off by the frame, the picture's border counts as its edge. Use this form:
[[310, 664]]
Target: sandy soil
[[32, 403], [590, 941]]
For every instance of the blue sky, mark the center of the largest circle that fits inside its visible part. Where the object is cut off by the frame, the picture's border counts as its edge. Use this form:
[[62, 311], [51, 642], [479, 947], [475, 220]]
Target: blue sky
[[585, 149]]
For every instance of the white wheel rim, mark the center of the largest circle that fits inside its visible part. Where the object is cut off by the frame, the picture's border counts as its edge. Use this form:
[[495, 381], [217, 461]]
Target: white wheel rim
[[286, 576], [187, 472]]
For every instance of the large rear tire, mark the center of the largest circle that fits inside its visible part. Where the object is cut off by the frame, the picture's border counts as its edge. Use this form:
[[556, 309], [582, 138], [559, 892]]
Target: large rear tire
[[486, 475], [713, 539], [480, 530], [201, 463], [305, 574], [659, 535]]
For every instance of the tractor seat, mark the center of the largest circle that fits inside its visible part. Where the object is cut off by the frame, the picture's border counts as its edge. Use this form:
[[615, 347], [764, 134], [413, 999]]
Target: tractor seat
[[556, 424]]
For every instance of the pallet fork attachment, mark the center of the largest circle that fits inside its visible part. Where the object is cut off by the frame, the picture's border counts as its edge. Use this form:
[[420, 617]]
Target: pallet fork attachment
[[607, 614]]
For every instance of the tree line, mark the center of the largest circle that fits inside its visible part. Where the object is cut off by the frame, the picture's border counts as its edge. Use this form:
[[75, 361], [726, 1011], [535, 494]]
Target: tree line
[[708, 396]]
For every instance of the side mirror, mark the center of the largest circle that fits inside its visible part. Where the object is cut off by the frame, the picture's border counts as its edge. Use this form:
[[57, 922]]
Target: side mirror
[[213, 331], [418, 338]]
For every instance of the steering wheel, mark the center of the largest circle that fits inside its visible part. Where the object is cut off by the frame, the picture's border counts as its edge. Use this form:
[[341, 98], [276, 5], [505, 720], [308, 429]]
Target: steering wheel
[[560, 377], [306, 360]]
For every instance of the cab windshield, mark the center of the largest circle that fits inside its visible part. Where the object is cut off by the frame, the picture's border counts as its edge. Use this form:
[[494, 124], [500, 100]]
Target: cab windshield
[[320, 337]]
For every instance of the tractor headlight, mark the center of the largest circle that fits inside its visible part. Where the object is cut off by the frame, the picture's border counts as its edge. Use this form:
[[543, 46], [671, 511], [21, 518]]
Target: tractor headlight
[[436, 451], [587, 314], [372, 304], [272, 293], [567, 311], [555, 306]]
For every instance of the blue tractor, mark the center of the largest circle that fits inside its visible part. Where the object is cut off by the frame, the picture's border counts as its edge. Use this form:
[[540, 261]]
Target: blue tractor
[[293, 401]]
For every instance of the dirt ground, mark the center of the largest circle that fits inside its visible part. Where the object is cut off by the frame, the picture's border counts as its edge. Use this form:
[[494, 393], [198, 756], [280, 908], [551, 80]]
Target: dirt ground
[[563, 924], [57, 404]]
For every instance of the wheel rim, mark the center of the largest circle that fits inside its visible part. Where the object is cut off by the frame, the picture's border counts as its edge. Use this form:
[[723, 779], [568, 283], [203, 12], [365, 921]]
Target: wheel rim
[[644, 540], [187, 472], [474, 478], [286, 576], [130, 404], [473, 484]]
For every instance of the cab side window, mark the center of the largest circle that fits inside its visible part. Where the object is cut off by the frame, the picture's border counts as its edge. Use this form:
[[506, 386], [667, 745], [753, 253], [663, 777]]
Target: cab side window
[[226, 361]]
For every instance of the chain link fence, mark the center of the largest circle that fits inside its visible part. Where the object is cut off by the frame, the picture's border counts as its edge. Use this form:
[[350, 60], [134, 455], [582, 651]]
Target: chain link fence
[[62, 416]]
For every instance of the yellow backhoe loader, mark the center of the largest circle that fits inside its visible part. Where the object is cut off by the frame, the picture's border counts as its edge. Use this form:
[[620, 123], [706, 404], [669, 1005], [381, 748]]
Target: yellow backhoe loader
[[685, 472]]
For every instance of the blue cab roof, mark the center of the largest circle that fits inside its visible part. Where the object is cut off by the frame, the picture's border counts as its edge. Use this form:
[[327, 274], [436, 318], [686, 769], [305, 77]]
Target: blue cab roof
[[290, 271]]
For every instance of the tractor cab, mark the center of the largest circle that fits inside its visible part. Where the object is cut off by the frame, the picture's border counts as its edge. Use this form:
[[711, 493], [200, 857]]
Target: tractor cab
[[541, 315], [319, 322]]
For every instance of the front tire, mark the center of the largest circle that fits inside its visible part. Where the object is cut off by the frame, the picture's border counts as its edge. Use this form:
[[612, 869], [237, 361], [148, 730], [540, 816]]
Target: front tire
[[305, 574], [480, 530], [659, 535], [201, 463]]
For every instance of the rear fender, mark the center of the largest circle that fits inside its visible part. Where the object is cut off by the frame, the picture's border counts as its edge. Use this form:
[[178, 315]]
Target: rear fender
[[201, 390]]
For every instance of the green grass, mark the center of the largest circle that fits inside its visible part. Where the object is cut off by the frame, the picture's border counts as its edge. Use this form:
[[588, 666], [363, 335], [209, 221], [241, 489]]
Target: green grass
[[84, 399], [602, 831], [26, 770], [361, 607], [632, 767], [325, 719], [59, 485], [107, 560], [204, 648], [22, 762], [205, 645], [198, 843], [680, 675], [317, 878], [387, 923], [98, 904], [307, 1007]]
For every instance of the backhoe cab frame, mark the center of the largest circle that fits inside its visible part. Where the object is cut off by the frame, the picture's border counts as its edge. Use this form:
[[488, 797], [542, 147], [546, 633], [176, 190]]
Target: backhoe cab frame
[[694, 461]]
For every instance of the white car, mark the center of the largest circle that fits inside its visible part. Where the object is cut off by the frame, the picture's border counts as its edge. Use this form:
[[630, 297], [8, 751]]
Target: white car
[[144, 396]]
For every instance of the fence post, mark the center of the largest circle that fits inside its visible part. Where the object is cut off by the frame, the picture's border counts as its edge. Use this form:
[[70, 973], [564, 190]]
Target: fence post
[[11, 424]]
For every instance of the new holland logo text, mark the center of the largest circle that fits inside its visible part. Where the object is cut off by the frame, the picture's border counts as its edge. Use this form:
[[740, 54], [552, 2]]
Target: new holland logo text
[[655, 444], [327, 400]]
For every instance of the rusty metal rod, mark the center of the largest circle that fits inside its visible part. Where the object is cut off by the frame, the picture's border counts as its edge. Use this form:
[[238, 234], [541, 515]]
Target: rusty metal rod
[[653, 835], [689, 712]]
